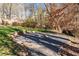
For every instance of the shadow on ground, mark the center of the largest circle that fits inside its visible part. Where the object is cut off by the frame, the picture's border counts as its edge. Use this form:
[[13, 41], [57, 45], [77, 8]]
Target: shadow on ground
[[51, 43]]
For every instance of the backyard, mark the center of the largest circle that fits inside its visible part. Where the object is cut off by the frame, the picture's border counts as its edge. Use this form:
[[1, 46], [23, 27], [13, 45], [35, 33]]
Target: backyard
[[39, 29]]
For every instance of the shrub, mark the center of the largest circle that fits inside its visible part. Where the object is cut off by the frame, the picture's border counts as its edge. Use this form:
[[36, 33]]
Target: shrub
[[29, 23]]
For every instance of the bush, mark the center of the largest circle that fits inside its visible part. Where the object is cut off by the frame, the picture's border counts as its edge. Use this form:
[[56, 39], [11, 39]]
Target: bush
[[29, 23], [16, 24]]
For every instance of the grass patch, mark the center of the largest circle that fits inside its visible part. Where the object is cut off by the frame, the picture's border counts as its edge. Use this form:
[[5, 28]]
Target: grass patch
[[6, 43], [7, 46], [37, 29]]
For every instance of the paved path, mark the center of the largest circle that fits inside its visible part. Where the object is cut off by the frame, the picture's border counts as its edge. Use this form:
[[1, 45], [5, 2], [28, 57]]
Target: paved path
[[42, 43]]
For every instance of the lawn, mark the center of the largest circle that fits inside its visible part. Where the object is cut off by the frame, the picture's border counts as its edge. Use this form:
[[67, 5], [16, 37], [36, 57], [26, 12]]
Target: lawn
[[6, 44]]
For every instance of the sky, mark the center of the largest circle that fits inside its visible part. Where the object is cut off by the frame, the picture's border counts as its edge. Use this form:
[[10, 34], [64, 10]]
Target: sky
[[36, 5]]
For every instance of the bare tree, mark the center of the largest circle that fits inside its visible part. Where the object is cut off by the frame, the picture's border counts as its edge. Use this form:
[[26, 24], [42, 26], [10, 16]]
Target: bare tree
[[6, 10], [61, 18]]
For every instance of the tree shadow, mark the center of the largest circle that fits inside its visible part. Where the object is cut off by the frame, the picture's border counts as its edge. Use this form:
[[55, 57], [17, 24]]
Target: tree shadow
[[48, 42], [63, 38], [34, 52]]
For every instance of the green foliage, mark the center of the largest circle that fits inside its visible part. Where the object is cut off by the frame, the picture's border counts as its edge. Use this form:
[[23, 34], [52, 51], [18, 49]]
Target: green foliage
[[7, 46], [29, 23], [37, 30]]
